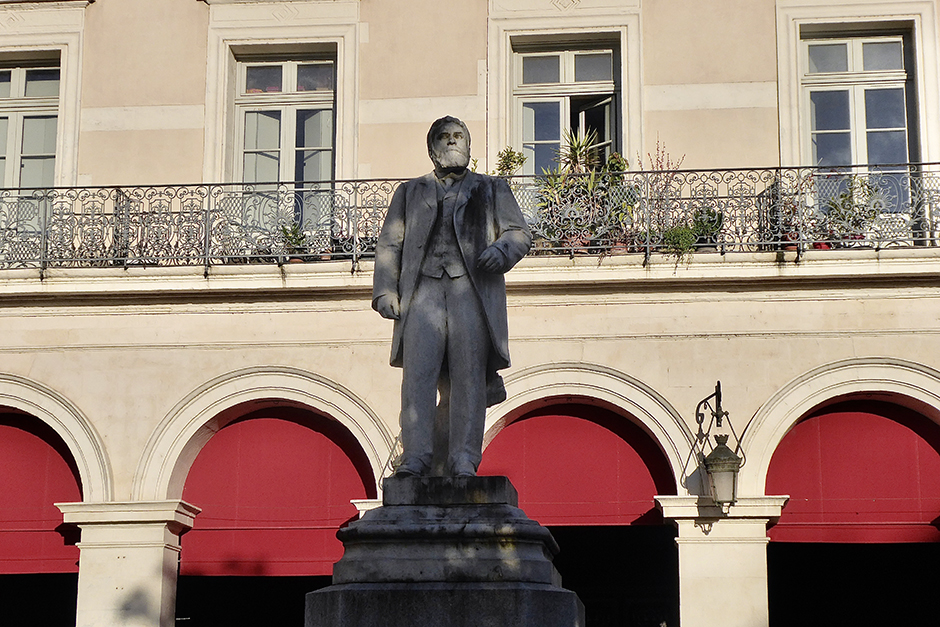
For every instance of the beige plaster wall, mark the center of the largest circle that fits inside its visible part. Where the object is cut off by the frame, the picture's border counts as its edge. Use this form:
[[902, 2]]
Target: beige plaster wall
[[126, 347], [419, 60], [139, 57], [716, 41]]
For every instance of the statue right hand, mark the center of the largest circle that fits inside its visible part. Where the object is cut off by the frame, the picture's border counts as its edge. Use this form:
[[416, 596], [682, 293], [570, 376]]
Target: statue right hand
[[388, 307]]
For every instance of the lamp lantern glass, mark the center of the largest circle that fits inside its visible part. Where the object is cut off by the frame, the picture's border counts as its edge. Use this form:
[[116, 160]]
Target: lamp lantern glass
[[722, 466]]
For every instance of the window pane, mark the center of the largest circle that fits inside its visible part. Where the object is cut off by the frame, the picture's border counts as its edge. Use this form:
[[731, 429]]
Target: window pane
[[591, 114], [4, 127], [829, 110], [542, 69], [37, 172], [39, 135], [541, 121], [828, 58], [885, 55], [315, 128], [262, 130], [3, 170], [315, 77], [42, 83], [5, 84], [261, 167], [262, 79], [884, 108], [314, 165], [540, 157], [887, 147], [593, 67], [831, 149]]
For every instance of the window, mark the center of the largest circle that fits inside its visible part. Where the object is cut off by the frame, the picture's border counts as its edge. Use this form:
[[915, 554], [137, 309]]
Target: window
[[858, 92], [285, 112], [556, 91], [29, 102]]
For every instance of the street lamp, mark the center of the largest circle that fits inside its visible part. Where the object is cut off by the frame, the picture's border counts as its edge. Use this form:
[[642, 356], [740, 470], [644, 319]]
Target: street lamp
[[722, 463], [721, 466]]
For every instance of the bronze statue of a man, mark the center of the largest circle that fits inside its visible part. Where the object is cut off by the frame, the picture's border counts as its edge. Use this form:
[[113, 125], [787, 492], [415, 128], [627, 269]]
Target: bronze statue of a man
[[448, 238]]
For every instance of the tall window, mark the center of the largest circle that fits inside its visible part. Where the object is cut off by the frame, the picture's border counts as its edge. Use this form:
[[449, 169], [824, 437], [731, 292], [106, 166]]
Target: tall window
[[285, 112], [29, 102], [857, 92], [556, 91]]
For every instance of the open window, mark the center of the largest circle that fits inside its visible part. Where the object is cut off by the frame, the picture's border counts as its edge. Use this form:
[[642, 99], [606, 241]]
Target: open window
[[557, 89]]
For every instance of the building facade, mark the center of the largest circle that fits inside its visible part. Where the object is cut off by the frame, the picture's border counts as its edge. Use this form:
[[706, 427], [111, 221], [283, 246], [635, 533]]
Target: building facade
[[187, 415]]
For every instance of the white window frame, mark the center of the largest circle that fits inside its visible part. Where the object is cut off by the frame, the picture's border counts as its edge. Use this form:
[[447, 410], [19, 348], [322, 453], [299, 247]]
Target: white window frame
[[254, 28], [44, 32], [287, 102], [509, 22], [856, 81], [563, 91], [795, 18], [16, 109]]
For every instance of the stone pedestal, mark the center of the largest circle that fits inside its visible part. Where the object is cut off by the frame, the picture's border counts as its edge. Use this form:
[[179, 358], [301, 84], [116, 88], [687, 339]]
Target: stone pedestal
[[449, 552]]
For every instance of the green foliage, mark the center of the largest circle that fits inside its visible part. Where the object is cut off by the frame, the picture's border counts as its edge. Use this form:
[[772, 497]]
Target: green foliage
[[855, 209], [293, 238], [508, 161], [707, 222], [679, 241]]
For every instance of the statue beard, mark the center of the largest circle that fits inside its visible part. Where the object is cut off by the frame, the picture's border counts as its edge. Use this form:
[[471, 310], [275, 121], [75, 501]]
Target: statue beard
[[451, 159]]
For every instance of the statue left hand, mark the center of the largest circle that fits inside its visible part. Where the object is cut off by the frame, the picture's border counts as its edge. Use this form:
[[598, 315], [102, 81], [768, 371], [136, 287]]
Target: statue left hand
[[492, 260]]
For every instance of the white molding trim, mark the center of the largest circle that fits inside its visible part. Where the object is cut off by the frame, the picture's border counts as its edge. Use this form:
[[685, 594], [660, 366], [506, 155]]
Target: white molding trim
[[86, 446], [176, 442], [504, 25], [57, 27], [536, 386], [279, 23], [893, 380], [793, 14]]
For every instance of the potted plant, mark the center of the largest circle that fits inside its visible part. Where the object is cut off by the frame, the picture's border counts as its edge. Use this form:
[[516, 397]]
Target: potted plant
[[706, 224], [849, 215], [294, 242]]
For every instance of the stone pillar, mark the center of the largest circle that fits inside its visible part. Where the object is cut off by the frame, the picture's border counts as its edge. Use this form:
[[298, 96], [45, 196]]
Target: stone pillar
[[722, 559], [128, 562]]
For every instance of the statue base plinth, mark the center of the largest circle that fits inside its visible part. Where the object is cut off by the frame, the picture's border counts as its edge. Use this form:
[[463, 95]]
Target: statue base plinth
[[449, 552]]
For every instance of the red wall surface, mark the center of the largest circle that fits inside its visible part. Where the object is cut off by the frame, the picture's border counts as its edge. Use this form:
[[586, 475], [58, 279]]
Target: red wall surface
[[858, 472], [274, 487], [581, 465], [36, 470]]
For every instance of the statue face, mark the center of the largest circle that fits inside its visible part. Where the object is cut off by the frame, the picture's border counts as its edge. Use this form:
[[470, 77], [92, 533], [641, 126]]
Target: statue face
[[450, 148]]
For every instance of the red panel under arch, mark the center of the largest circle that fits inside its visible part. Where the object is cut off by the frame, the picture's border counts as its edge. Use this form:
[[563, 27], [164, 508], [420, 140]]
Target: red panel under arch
[[579, 464], [36, 471], [859, 471], [274, 487]]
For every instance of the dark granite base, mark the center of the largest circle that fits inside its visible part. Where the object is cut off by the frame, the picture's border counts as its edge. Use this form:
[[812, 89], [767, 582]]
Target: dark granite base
[[444, 605], [446, 552]]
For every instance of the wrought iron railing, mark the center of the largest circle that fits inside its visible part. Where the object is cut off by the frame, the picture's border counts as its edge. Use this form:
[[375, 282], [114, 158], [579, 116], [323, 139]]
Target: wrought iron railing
[[673, 212]]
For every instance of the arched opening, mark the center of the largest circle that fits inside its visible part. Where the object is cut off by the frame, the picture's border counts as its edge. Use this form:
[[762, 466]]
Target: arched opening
[[857, 542], [590, 474], [274, 486], [38, 556]]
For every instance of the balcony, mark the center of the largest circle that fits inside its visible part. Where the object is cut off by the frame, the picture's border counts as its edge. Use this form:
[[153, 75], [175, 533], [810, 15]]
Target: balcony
[[678, 213]]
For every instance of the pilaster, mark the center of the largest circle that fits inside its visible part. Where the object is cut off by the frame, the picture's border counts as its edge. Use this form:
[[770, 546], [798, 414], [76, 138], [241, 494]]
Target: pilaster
[[128, 561], [722, 559]]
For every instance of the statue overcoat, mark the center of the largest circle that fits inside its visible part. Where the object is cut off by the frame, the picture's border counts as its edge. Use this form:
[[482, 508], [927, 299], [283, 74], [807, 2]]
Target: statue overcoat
[[486, 214]]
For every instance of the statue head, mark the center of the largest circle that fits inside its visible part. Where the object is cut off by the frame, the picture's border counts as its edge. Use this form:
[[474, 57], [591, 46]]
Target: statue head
[[449, 144]]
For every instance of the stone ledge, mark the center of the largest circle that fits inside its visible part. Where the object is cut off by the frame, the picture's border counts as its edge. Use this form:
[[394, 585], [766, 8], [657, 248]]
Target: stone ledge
[[447, 491]]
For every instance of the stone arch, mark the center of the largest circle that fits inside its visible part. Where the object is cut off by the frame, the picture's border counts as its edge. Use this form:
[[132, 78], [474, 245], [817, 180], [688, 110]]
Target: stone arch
[[180, 436], [83, 442], [897, 381], [602, 385]]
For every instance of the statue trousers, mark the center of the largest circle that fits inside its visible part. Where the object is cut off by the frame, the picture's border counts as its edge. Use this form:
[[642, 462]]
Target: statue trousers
[[446, 344]]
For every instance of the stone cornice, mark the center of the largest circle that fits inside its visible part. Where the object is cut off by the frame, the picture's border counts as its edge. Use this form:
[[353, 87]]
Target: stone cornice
[[848, 271]]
